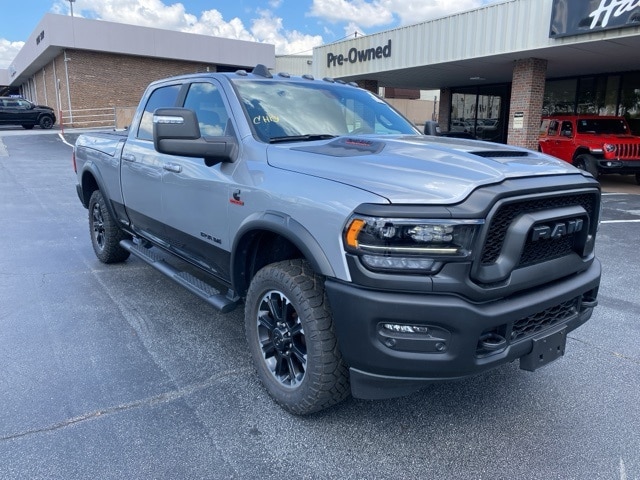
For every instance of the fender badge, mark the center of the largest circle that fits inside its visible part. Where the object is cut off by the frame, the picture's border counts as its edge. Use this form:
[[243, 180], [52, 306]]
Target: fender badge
[[235, 199]]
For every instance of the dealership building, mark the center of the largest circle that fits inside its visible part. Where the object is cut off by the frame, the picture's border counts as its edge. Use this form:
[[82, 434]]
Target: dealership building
[[92, 71], [498, 68]]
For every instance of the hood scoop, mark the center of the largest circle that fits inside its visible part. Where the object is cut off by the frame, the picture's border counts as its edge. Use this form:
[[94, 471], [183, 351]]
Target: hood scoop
[[500, 153]]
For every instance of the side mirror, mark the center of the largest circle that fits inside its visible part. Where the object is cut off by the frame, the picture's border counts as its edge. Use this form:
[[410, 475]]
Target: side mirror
[[176, 132], [431, 128]]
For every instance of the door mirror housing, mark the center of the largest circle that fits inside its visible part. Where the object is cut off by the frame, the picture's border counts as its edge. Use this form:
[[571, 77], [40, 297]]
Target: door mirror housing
[[176, 132]]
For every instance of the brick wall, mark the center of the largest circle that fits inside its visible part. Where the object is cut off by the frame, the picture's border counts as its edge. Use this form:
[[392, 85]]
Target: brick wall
[[527, 94], [444, 113], [103, 81]]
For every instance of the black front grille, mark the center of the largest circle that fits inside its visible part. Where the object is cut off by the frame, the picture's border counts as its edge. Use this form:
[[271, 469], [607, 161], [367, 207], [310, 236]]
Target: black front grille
[[532, 324], [533, 252]]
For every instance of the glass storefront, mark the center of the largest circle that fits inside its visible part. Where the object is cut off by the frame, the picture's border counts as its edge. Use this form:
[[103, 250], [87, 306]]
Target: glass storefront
[[608, 94], [481, 112]]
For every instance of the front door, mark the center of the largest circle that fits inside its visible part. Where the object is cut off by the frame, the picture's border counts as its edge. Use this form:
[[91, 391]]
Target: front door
[[195, 197]]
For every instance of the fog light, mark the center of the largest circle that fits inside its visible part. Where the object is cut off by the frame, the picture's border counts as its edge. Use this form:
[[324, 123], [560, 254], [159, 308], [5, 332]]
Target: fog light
[[398, 263], [395, 327]]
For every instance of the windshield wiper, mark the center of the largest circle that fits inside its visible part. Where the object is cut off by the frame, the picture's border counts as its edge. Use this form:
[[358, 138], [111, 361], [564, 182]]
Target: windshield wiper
[[301, 138]]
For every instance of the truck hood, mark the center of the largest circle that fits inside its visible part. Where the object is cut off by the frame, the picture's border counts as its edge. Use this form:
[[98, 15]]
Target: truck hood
[[414, 169]]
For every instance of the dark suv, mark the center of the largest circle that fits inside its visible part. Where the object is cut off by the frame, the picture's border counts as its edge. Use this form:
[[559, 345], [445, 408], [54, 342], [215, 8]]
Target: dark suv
[[18, 111]]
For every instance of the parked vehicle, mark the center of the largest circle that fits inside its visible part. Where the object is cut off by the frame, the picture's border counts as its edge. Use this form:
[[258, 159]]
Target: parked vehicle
[[596, 144], [18, 111], [371, 259]]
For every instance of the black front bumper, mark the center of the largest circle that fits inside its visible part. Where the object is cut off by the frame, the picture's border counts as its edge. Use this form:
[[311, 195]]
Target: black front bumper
[[386, 361], [623, 167]]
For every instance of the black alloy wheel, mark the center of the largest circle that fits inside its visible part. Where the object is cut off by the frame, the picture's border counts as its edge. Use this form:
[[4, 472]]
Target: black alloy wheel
[[105, 233], [289, 329]]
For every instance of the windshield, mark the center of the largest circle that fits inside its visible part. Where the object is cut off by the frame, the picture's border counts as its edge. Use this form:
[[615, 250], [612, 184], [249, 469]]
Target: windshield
[[281, 110], [605, 126]]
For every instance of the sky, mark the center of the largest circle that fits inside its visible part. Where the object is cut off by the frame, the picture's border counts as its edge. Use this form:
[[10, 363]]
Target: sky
[[293, 26]]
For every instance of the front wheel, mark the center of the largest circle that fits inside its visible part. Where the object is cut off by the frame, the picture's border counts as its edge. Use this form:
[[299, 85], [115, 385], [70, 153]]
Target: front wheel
[[105, 233], [588, 163], [290, 333]]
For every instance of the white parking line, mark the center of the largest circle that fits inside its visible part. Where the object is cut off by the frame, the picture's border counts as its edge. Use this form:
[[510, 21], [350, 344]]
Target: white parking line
[[3, 149], [621, 221], [64, 140]]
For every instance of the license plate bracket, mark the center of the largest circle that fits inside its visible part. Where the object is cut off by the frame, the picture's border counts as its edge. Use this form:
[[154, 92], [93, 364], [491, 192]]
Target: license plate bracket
[[547, 347]]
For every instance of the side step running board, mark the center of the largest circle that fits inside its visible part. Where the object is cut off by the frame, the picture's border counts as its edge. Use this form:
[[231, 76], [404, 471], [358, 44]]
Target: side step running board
[[211, 295]]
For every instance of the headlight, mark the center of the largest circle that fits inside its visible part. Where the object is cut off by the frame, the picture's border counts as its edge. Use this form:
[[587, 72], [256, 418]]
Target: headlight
[[409, 245], [609, 150]]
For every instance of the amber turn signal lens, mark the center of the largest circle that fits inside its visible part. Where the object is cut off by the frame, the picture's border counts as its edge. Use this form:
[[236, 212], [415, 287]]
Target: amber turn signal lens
[[353, 231]]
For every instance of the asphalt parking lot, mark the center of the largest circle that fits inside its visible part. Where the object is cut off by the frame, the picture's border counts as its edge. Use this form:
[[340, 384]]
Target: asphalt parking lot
[[111, 372]]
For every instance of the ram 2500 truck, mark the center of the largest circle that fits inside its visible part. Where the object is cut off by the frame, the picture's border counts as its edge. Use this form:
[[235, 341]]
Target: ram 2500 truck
[[370, 259]]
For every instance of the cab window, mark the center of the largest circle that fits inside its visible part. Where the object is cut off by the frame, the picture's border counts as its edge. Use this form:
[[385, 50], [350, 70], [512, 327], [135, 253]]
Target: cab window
[[554, 125], [160, 98], [206, 101], [567, 129]]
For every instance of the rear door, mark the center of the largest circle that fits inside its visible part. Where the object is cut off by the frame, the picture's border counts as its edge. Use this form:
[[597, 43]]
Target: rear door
[[142, 167]]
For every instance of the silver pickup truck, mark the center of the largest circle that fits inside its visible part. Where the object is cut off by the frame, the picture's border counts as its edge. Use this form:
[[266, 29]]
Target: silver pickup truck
[[370, 259]]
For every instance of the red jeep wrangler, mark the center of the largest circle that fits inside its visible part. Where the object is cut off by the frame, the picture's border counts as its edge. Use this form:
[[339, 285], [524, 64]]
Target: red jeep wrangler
[[592, 143]]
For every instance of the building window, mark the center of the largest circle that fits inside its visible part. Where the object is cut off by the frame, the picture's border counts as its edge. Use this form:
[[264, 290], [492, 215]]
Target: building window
[[630, 101], [611, 96], [560, 96], [480, 112], [590, 95]]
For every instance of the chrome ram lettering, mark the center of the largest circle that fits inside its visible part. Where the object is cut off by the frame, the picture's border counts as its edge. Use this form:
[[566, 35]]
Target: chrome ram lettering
[[611, 7], [556, 230]]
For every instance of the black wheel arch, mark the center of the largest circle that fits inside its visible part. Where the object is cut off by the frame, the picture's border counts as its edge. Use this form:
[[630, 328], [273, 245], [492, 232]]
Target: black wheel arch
[[580, 151], [91, 180], [269, 237]]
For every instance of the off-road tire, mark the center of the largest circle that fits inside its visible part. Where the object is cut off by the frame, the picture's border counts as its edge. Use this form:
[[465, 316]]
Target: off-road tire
[[105, 233], [289, 330], [588, 163]]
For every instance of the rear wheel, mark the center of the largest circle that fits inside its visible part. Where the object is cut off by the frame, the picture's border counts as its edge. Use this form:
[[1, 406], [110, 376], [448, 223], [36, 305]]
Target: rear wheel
[[46, 122], [290, 333], [588, 163], [105, 233]]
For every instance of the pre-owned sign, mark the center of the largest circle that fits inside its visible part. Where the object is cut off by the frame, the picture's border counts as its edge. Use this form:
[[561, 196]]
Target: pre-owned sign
[[356, 56], [577, 17]]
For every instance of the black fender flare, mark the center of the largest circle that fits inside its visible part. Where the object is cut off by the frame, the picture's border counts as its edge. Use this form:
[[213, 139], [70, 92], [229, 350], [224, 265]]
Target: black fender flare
[[288, 228], [90, 169]]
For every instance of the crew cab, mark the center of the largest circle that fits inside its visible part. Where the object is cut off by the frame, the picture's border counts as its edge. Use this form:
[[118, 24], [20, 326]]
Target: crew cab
[[18, 111], [369, 258], [597, 144]]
